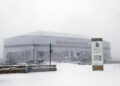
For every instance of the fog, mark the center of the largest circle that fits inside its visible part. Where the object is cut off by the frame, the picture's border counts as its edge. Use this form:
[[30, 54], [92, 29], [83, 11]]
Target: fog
[[92, 18]]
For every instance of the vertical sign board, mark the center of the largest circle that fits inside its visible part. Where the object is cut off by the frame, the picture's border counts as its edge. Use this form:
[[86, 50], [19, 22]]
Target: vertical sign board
[[97, 54]]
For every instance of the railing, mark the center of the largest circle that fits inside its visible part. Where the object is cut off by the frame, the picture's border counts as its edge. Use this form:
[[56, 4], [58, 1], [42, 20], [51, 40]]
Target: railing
[[26, 68]]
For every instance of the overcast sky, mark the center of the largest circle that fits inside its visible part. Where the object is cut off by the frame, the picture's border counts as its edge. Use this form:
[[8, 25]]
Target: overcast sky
[[93, 18]]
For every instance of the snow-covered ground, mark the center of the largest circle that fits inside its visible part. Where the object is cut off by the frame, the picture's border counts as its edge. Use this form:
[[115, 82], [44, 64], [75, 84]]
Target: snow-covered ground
[[67, 75]]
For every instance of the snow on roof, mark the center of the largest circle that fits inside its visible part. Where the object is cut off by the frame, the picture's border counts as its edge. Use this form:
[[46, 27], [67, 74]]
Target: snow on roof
[[45, 33], [52, 34]]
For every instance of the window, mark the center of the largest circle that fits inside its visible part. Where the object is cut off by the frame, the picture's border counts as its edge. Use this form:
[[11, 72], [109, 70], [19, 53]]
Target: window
[[41, 54], [97, 58], [78, 54], [97, 44]]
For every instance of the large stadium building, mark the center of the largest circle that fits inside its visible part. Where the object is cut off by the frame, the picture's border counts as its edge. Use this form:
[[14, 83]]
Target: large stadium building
[[34, 48]]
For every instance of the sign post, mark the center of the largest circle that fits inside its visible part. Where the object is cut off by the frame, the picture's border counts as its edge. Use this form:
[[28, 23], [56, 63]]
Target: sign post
[[97, 54]]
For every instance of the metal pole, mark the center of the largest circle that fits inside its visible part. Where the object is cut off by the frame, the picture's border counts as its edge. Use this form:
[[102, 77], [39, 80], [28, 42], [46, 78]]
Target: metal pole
[[50, 55], [33, 54]]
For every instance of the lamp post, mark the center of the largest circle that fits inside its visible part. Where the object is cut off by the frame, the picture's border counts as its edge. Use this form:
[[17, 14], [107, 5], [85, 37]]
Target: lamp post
[[50, 51], [33, 53]]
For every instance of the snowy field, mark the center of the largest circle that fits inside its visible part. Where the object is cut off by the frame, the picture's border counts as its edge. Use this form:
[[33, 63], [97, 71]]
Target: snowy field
[[67, 75]]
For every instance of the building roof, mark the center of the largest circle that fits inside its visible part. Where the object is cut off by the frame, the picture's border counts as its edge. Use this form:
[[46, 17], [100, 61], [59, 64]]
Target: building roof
[[42, 37], [45, 37]]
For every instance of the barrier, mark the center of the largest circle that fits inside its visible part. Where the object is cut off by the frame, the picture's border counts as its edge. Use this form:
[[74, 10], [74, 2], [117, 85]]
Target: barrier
[[5, 69]]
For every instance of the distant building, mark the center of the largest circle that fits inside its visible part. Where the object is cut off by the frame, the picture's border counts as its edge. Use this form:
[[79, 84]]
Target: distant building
[[34, 48]]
